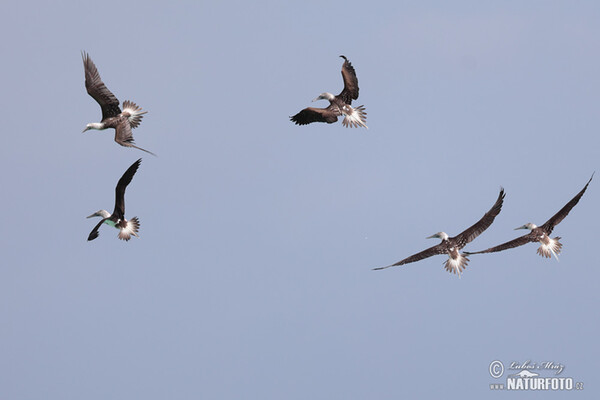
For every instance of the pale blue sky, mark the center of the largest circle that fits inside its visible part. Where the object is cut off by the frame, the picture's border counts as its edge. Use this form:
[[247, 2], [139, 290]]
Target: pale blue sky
[[252, 276]]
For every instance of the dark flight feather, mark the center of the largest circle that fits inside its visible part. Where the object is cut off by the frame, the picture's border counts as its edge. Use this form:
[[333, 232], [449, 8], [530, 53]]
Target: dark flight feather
[[559, 216], [119, 211], [311, 114], [98, 90], [350, 91], [477, 229]]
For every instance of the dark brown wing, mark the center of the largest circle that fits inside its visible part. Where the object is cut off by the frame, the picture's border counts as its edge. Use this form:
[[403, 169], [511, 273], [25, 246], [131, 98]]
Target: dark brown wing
[[477, 229], [124, 137], [94, 233], [119, 211], [310, 114], [350, 91], [559, 216], [520, 241], [432, 251], [98, 90]]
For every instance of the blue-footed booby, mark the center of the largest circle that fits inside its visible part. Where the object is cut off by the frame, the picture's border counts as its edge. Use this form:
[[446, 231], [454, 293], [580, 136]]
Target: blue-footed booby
[[112, 116], [542, 233], [339, 105], [452, 245], [117, 218]]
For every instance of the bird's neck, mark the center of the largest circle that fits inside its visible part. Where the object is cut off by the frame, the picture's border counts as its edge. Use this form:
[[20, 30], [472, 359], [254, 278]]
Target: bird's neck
[[96, 125]]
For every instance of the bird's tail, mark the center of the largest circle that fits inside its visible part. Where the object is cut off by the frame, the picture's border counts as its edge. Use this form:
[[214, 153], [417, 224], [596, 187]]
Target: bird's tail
[[131, 228], [552, 247], [355, 118], [135, 113], [456, 265]]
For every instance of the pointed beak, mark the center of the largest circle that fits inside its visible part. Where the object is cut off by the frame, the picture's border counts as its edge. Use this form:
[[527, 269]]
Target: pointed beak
[[316, 98], [86, 129], [93, 215], [431, 237], [521, 227]]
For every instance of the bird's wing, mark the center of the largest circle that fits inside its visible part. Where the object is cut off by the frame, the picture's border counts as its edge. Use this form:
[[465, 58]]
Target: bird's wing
[[311, 114], [559, 216], [432, 251], [98, 90], [120, 189], [520, 241], [350, 91], [477, 229], [94, 233], [124, 136]]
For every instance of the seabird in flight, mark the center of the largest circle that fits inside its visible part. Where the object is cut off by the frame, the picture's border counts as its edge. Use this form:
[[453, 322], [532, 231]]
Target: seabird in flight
[[542, 233], [112, 116], [117, 218], [452, 245], [339, 105]]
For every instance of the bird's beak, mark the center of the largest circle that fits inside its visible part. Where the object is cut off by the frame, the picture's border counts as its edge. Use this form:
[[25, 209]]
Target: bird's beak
[[315, 99], [86, 129], [431, 237], [91, 216], [521, 227]]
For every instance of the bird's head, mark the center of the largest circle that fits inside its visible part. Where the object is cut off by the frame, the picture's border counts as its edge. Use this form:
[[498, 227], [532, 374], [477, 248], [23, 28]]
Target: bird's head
[[439, 235], [528, 225], [100, 213], [93, 125], [324, 96]]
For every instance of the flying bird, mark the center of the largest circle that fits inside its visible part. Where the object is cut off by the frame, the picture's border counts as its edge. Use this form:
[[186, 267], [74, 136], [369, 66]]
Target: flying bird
[[542, 233], [117, 218], [112, 116], [452, 245], [339, 105]]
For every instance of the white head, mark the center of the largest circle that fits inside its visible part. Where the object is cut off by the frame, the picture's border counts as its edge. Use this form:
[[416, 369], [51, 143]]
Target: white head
[[439, 235], [325, 96], [100, 213], [528, 225], [93, 125]]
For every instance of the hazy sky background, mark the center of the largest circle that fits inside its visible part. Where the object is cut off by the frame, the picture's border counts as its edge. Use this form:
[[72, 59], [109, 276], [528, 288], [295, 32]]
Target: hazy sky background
[[252, 276]]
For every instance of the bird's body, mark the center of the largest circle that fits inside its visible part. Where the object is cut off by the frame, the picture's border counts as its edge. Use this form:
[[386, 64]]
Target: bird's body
[[117, 218], [339, 105], [112, 116], [452, 245], [541, 234]]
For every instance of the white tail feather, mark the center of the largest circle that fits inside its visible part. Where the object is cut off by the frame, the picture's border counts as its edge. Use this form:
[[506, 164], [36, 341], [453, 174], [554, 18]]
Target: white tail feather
[[131, 228], [135, 113], [356, 117], [456, 265], [553, 252], [551, 247]]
